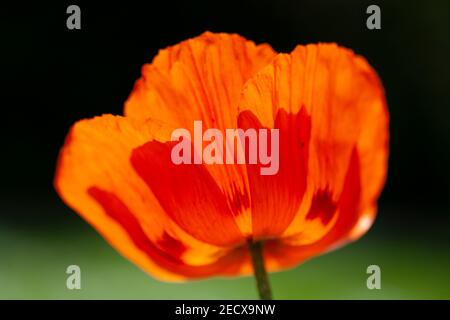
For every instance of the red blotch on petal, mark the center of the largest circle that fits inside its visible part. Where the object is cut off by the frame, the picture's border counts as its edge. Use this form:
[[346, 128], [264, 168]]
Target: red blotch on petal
[[167, 251], [118, 211], [322, 207], [275, 199], [188, 194]]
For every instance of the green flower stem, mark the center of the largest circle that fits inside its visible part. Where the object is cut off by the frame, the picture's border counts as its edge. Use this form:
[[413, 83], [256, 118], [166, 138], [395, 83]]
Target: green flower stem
[[259, 270]]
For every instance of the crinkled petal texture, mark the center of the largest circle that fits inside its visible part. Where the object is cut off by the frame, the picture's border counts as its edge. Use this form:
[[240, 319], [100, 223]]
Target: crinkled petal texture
[[96, 178], [202, 79], [192, 221], [346, 146]]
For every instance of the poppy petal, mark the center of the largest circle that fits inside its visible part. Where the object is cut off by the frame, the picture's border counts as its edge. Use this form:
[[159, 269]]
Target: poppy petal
[[345, 101], [95, 177], [167, 251], [197, 79], [286, 252], [275, 198], [201, 79], [188, 193]]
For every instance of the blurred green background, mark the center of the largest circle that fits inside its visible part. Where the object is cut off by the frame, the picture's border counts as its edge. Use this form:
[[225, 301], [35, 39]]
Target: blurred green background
[[414, 263], [51, 77]]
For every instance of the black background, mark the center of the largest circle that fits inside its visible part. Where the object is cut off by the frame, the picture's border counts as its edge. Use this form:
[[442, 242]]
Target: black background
[[284, 309], [52, 77]]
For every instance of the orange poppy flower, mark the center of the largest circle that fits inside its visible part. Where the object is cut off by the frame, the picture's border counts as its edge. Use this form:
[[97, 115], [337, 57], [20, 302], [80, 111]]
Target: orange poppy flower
[[193, 221]]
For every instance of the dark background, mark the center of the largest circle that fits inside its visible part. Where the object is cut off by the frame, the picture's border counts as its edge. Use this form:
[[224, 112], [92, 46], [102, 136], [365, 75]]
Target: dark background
[[52, 77], [55, 76]]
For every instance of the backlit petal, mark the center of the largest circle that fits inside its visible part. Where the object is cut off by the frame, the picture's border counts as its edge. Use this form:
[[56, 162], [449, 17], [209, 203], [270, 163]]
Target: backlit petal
[[188, 193], [95, 177], [202, 79], [345, 101]]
